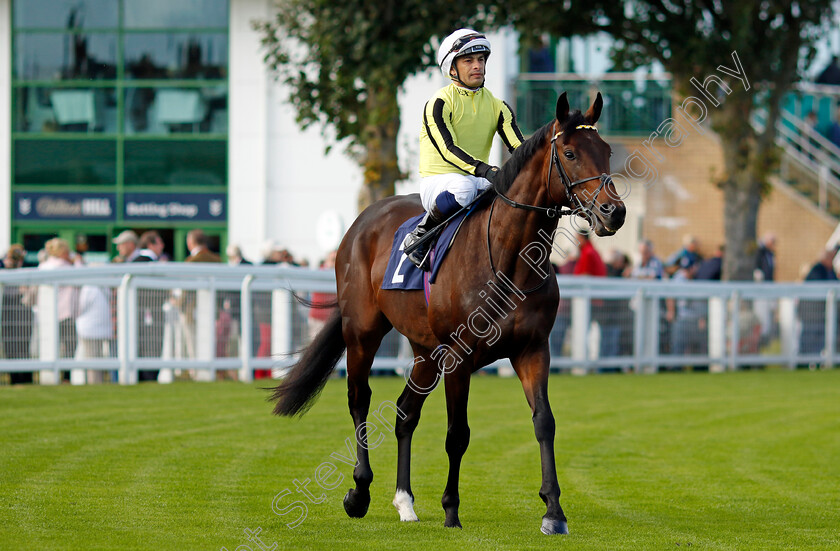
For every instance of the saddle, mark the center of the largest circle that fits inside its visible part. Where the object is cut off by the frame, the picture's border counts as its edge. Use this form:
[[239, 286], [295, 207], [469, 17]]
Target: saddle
[[400, 273]]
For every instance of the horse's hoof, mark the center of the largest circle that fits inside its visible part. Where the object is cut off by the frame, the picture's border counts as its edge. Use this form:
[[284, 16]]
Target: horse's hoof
[[551, 527], [455, 523], [356, 504]]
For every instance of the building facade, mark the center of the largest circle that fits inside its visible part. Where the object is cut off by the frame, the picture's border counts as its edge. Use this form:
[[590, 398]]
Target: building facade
[[122, 114]]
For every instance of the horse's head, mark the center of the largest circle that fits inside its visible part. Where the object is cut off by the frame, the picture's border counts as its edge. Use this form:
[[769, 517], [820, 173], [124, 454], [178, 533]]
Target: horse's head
[[581, 167]]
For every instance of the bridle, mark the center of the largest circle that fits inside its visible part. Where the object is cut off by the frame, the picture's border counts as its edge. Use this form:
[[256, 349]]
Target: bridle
[[568, 184], [553, 211]]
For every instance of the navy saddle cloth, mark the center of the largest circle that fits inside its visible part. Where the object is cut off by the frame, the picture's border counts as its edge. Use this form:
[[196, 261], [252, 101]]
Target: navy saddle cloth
[[401, 273]]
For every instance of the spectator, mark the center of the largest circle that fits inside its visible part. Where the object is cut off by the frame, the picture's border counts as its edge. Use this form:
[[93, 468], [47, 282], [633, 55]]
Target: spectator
[[765, 270], [319, 313], [617, 326], [589, 262], [80, 250], [688, 318], [711, 269], [823, 270], [151, 317], [126, 243], [94, 327], [831, 73], [199, 251], [834, 130], [765, 259], [16, 315], [812, 312], [151, 247], [686, 257], [649, 266], [58, 256], [618, 265], [234, 256], [541, 58]]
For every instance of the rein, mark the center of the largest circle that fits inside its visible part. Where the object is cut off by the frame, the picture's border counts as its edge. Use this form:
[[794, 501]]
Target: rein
[[553, 211]]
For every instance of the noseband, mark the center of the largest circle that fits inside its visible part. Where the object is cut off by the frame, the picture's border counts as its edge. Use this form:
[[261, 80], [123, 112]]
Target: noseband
[[568, 184]]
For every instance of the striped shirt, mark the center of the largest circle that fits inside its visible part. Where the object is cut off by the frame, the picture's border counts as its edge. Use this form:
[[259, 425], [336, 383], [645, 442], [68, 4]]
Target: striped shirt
[[458, 128]]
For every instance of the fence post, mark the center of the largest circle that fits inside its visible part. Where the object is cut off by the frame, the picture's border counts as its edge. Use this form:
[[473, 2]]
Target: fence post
[[734, 330], [580, 332], [830, 328], [246, 322], [48, 336], [281, 326], [205, 334], [639, 333], [787, 329], [126, 328], [716, 326]]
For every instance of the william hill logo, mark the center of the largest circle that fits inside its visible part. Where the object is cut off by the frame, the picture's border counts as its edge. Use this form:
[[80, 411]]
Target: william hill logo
[[53, 207]]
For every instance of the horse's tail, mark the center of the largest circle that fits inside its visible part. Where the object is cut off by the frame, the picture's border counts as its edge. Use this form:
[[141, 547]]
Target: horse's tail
[[305, 380]]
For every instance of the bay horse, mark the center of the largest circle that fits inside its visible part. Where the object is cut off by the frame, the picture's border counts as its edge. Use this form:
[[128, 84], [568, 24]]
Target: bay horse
[[489, 301]]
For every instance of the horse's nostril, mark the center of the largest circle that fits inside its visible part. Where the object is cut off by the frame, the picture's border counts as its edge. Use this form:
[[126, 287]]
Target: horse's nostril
[[607, 209]]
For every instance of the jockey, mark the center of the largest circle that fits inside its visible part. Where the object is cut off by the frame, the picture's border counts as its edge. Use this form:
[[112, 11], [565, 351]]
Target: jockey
[[459, 123]]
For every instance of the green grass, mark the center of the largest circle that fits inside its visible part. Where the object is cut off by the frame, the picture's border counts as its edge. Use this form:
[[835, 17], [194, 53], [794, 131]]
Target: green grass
[[733, 461]]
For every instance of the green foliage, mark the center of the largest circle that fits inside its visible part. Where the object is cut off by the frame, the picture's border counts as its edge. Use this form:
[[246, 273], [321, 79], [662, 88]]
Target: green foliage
[[337, 55], [774, 43], [732, 461]]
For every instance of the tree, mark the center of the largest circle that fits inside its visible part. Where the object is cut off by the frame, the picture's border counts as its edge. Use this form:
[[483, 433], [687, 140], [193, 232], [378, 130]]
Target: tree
[[345, 62], [773, 41]]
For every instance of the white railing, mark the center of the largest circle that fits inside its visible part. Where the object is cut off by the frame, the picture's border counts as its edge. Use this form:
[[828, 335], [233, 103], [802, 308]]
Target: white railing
[[206, 321], [817, 156]]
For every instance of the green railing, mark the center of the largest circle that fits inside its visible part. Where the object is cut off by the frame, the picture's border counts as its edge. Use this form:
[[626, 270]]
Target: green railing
[[633, 105]]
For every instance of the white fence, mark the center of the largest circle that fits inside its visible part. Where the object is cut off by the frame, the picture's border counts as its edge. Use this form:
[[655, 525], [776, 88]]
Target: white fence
[[167, 320]]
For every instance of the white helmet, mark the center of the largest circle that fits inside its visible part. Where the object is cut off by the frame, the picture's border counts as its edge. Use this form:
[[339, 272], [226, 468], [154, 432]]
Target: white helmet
[[461, 42]]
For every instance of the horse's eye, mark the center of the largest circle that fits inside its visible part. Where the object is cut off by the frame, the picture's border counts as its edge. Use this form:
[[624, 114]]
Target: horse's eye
[[569, 155]]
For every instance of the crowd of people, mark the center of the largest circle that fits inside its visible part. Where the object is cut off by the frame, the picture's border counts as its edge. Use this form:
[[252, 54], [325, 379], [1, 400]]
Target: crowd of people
[[166, 319], [683, 321]]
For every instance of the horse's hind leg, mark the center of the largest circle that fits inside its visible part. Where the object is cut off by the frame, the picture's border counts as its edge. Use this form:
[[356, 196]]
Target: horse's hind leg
[[422, 380], [361, 348]]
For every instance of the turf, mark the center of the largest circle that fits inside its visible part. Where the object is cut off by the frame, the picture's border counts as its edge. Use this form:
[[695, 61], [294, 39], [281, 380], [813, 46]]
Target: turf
[[732, 461]]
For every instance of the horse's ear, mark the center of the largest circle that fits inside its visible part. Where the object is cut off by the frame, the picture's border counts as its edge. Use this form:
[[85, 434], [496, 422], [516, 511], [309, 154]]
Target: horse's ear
[[594, 112], [562, 108]]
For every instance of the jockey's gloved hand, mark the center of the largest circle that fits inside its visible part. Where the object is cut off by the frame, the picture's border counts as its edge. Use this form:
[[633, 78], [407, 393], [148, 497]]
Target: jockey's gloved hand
[[490, 173]]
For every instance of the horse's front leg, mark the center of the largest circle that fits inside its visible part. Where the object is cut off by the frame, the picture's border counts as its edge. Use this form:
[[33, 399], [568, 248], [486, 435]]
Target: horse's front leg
[[457, 439], [532, 368]]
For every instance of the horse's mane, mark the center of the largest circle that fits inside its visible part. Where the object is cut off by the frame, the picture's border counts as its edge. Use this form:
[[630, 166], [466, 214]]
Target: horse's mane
[[510, 170]]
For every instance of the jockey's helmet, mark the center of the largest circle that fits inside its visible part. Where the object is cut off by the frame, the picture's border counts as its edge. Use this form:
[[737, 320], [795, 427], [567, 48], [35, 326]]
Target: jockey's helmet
[[461, 42]]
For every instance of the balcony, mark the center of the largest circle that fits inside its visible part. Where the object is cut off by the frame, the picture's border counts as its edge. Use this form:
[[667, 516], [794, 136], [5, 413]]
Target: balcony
[[634, 105]]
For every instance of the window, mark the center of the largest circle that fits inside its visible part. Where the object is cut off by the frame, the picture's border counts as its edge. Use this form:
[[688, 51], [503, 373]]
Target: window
[[120, 93]]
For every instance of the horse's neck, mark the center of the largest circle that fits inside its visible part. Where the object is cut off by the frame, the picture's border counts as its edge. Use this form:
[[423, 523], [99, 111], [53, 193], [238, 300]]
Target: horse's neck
[[516, 232]]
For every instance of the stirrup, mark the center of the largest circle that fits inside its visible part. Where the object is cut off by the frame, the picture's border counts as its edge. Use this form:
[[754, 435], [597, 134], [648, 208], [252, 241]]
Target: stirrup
[[423, 262]]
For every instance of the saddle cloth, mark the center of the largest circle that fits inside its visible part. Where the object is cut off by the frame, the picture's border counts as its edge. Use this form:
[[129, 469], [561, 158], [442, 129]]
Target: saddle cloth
[[401, 273]]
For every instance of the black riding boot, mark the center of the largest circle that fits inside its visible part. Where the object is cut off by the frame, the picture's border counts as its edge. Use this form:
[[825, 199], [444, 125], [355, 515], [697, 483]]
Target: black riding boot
[[418, 256]]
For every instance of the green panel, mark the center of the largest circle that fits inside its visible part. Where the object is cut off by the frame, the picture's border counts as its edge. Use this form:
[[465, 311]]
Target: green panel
[[47, 110], [65, 162], [61, 14], [187, 56], [170, 110], [85, 73], [157, 14], [175, 163], [61, 56], [630, 107]]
